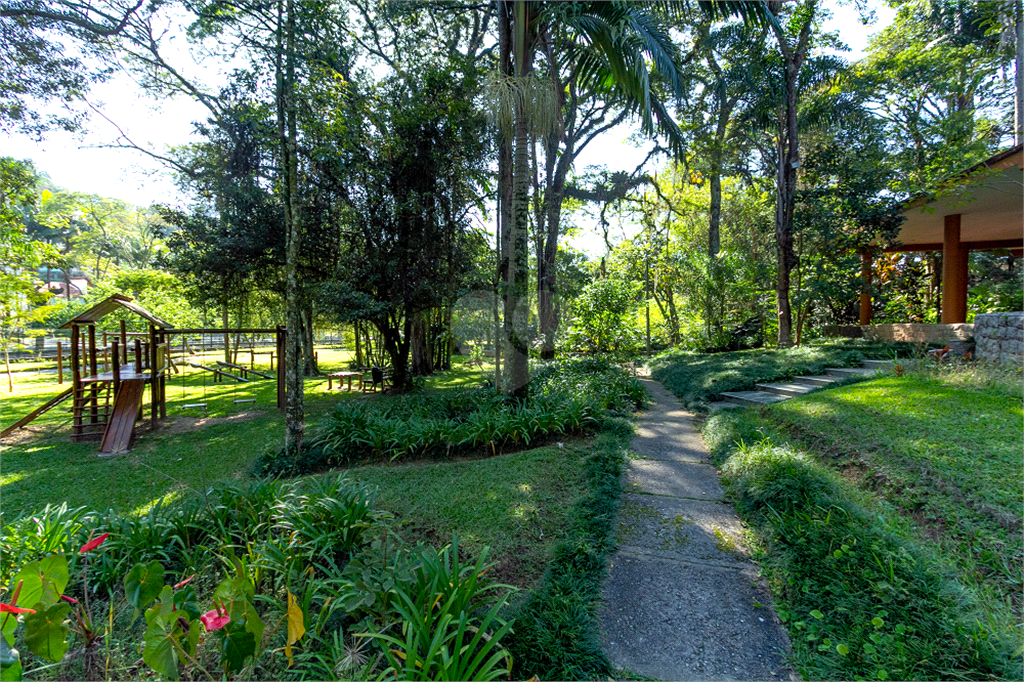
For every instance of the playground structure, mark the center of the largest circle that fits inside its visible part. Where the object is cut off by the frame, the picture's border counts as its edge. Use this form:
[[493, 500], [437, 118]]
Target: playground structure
[[107, 405]]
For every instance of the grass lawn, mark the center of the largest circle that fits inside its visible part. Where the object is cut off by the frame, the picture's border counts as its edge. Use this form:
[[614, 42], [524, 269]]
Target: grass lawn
[[898, 498], [698, 378], [191, 449], [948, 457], [521, 504]]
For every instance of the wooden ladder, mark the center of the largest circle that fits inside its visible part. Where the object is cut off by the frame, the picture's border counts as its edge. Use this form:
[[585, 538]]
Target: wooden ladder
[[84, 427]]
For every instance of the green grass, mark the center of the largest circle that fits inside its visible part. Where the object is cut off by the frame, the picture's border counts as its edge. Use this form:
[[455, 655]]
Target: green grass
[[520, 505], [556, 632], [42, 466], [899, 499], [949, 458], [698, 378]]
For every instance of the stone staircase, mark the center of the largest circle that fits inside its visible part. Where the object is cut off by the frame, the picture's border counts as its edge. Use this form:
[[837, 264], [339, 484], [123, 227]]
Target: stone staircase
[[797, 386]]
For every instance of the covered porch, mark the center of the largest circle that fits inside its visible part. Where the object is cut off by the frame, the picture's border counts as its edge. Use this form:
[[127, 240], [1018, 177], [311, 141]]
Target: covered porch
[[979, 209]]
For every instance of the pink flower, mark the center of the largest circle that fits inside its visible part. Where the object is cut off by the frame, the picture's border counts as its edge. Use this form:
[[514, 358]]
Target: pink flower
[[215, 619], [93, 544], [7, 608], [186, 581], [69, 599]]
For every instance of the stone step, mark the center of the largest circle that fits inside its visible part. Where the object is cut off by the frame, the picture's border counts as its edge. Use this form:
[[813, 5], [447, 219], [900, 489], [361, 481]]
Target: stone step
[[753, 397], [787, 388], [844, 372], [878, 364], [820, 380]]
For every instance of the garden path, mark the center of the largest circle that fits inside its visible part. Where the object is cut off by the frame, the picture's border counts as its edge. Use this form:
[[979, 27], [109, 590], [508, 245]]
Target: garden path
[[683, 600]]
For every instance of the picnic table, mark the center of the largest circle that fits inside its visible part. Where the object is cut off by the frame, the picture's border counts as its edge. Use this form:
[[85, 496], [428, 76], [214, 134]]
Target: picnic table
[[341, 376]]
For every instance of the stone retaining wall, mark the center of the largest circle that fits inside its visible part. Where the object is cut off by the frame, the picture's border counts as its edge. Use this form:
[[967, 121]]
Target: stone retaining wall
[[999, 337], [940, 334]]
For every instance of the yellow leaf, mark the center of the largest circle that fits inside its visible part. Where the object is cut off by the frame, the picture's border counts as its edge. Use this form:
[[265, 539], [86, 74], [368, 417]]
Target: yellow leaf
[[296, 628]]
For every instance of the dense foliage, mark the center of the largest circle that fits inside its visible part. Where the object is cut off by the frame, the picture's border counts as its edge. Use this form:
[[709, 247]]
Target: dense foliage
[[569, 398], [317, 556]]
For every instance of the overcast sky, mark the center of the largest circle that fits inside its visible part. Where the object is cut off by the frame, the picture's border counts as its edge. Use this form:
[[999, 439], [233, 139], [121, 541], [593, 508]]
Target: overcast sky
[[77, 163]]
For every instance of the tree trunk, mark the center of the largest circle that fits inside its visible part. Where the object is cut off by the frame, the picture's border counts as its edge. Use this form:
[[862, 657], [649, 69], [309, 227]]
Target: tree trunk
[[420, 345], [359, 345], [294, 410], [1018, 66]]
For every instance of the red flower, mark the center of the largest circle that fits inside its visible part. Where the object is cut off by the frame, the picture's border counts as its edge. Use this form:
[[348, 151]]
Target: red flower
[[93, 544], [7, 608], [70, 599], [215, 619], [186, 581]]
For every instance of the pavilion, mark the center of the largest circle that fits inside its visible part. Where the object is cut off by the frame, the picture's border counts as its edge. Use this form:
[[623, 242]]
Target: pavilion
[[979, 209]]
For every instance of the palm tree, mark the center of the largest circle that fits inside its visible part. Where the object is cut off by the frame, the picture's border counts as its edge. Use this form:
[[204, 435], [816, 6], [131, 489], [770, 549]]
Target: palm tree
[[605, 62]]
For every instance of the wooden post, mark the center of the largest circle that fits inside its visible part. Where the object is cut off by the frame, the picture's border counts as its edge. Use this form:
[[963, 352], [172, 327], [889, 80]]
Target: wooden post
[[954, 273], [271, 361], [138, 355], [154, 388], [252, 359], [865, 293], [124, 343], [116, 368], [60, 364], [93, 371], [76, 383], [163, 376]]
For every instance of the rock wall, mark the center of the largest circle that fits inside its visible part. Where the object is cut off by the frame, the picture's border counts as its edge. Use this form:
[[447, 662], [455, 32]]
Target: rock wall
[[940, 334], [999, 337]]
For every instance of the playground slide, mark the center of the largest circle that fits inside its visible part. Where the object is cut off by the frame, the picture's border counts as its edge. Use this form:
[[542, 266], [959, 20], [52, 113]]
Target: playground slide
[[36, 412], [117, 437]]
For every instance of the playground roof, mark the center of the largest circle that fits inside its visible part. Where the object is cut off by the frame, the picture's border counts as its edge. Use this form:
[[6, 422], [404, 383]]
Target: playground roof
[[109, 305], [988, 198]]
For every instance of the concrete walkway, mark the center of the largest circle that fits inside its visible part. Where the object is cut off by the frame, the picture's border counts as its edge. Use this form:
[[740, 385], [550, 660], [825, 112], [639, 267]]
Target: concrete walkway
[[683, 601]]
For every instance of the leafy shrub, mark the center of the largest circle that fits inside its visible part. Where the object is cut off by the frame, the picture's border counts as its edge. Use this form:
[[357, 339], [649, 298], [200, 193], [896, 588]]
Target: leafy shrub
[[861, 598], [294, 577], [567, 397]]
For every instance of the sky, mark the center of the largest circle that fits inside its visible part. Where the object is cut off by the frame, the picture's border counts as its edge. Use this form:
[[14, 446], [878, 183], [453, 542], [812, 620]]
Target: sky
[[80, 162]]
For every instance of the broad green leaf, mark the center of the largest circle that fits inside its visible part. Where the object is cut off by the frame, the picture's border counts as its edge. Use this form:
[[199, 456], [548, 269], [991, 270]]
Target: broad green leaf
[[237, 645], [143, 584], [12, 672], [45, 632], [842, 649], [159, 653], [817, 614], [8, 655], [42, 581], [185, 600], [877, 622]]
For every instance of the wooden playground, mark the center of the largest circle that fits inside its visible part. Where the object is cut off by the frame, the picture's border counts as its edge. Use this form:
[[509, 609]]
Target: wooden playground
[[107, 405]]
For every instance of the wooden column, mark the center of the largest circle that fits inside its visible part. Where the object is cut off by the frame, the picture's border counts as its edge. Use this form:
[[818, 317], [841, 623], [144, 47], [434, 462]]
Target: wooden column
[[93, 371], [77, 403], [115, 354], [124, 343], [954, 273], [60, 364], [138, 355], [162, 381], [865, 293], [154, 388]]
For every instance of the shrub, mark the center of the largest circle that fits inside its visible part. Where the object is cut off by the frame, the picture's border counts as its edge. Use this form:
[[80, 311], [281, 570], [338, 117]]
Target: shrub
[[567, 397]]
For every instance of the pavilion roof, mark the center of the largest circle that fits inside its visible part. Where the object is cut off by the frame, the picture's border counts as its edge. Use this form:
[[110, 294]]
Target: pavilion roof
[[988, 197], [109, 305]]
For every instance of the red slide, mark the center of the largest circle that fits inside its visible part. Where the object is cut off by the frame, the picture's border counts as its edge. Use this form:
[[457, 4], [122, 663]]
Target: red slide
[[117, 437]]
